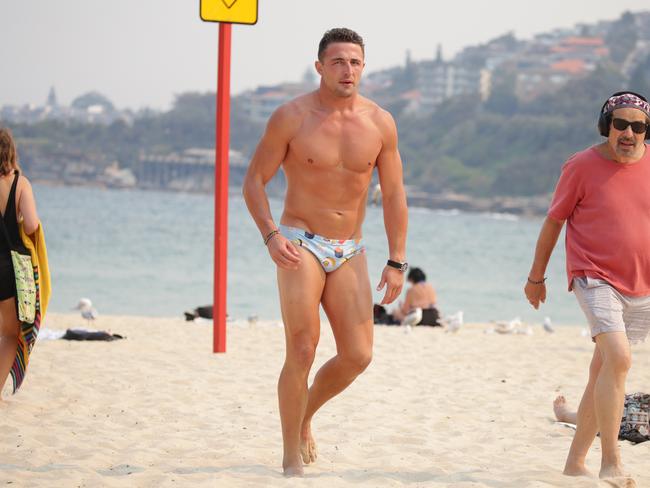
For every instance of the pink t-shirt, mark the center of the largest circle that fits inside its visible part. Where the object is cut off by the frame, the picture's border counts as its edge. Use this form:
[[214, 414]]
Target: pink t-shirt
[[607, 208]]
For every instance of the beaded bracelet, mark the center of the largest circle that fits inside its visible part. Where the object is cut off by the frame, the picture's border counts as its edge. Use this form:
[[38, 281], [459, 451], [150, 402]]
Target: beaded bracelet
[[270, 236], [540, 282]]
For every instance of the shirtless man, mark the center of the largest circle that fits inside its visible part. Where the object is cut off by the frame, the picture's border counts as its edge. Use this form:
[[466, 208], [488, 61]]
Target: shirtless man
[[328, 143]]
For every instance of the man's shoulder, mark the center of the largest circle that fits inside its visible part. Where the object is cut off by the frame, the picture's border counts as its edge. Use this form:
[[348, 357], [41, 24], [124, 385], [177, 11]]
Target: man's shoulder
[[581, 159], [289, 115], [296, 107], [381, 117], [373, 109]]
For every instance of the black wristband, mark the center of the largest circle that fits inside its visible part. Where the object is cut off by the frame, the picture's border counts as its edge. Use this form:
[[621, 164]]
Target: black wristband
[[540, 282], [397, 265]]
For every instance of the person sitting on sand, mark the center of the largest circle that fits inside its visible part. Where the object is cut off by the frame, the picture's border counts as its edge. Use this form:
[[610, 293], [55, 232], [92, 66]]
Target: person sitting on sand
[[419, 295], [635, 425]]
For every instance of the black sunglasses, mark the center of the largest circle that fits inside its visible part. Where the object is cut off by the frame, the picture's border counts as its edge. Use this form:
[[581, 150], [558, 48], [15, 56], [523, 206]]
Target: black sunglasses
[[637, 127]]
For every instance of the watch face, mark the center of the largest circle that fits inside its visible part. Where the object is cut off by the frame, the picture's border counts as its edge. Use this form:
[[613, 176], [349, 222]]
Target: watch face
[[405, 266]]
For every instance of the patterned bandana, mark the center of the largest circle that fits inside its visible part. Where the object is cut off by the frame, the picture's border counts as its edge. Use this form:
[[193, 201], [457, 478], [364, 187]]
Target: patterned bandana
[[627, 100]]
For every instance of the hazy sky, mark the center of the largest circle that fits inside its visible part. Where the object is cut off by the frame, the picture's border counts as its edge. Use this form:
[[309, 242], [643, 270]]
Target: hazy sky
[[142, 52]]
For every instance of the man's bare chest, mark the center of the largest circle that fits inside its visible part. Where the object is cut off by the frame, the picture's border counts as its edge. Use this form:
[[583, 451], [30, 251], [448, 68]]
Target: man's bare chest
[[352, 146]]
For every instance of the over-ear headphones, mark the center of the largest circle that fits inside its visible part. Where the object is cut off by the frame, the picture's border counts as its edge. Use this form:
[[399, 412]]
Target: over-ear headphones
[[605, 119]]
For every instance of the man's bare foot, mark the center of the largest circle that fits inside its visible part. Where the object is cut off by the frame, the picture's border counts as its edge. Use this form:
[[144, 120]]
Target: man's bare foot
[[560, 409], [308, 449], [577, 470], [613, 471], [292, 467]]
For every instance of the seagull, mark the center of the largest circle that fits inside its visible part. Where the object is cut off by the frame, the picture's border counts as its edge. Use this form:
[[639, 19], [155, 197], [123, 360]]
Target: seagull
[[548, 327], [376, 194], [509, 327], [414, 317], [526, 330], [85, 306], [454, 322]]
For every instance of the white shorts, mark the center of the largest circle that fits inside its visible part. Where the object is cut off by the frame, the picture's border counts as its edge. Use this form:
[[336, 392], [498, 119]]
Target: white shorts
[[608, 310]]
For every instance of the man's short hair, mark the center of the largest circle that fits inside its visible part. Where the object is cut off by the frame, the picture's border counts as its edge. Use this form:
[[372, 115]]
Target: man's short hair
[[416, 275], [339, 34]]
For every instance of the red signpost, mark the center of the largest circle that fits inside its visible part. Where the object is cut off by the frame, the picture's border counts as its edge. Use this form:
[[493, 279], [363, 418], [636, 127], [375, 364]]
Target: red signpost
[[226, 12], [221, 189]]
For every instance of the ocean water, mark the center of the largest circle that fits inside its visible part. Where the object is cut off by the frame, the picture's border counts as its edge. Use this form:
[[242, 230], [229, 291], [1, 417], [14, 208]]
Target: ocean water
[[151, 253]]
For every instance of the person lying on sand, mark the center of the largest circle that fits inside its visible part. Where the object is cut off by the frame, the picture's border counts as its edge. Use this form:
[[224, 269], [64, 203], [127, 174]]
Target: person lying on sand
[[635, 426]]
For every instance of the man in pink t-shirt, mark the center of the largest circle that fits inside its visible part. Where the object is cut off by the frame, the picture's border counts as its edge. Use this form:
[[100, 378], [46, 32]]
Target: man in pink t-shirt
[[603, 195]]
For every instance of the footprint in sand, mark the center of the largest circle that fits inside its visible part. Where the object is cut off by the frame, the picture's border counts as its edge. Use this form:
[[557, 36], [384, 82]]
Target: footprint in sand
[[623, 482]]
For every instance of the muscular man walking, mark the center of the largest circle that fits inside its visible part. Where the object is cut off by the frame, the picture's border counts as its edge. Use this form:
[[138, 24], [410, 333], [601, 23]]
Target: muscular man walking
[[328, 143]]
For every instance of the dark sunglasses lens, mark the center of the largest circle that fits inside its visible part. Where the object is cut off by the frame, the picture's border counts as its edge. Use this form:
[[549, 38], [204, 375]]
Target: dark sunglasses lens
[[637, 127]]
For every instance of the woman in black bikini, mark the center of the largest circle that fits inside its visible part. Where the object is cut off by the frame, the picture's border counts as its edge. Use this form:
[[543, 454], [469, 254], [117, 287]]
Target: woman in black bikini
[[16, 202], [420, 295]]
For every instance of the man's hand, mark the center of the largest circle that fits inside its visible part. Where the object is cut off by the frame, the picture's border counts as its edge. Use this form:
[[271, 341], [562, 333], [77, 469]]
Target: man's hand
[[283, 252], [535, 293], [393, 279]]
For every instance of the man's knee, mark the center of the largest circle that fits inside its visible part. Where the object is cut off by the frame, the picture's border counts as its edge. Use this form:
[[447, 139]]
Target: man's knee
[[619, 360], [622, 362], [614, 352], [301, 353], [358, 360]]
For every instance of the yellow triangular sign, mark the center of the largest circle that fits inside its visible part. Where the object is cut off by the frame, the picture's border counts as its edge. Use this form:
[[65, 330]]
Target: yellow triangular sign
[[229, 11]]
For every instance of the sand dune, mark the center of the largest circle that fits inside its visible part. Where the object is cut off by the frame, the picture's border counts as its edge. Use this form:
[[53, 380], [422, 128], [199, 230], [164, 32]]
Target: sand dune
[[159, 409]]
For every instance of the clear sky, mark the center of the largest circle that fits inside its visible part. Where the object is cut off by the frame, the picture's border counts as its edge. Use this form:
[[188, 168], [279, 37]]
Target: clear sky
[[142, 52]]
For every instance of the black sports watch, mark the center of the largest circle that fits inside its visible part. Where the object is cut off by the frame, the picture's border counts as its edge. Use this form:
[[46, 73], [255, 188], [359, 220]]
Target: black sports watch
[[397, 265]]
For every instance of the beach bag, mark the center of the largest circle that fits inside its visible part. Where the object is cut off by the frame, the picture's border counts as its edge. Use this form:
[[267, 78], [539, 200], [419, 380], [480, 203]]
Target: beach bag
[[25, 282], [635, 425], [25, 287]]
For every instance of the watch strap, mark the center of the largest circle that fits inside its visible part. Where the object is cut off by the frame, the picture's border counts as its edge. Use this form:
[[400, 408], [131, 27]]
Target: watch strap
[[397, 265]]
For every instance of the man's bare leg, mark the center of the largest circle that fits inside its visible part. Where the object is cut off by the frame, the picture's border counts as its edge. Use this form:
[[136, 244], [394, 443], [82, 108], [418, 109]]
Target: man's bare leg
[[347, 301], [562, 411], [300, 295], [609, 398], [586, 425], [9, 330]]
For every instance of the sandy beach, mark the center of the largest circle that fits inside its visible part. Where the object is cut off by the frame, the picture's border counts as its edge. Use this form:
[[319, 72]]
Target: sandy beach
[[160, 409]]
